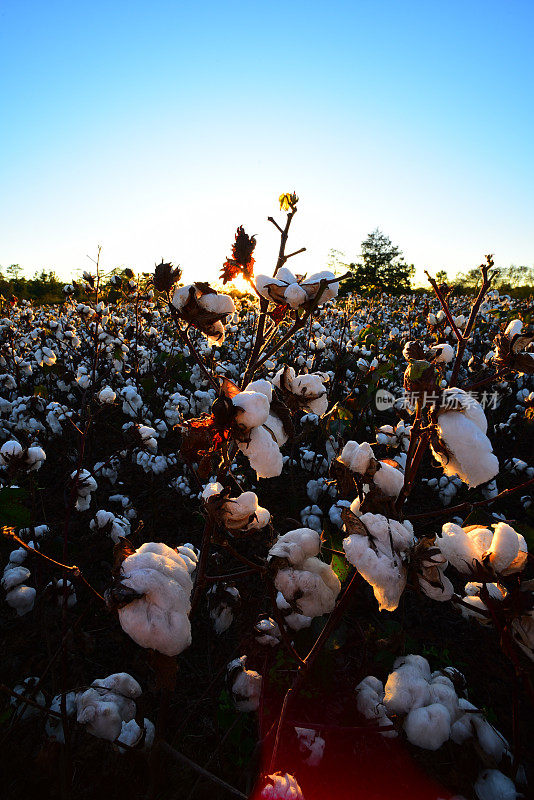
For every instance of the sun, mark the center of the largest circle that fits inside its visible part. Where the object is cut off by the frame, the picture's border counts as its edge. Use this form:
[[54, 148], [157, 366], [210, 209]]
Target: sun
[[241, 284]]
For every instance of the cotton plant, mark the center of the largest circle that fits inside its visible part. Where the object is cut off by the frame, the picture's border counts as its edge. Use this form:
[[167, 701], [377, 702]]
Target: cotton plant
[[308, 585], [152, 595], [245, 685]]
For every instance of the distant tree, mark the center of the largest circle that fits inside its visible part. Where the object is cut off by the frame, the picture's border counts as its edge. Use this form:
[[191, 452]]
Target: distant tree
[[441, 276], [382, 267]]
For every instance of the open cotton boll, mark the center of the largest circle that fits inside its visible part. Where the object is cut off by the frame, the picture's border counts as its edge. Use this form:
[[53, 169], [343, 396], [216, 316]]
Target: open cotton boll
[[294, 295], [370, 694], [281, 787], [274, 426], [415, 662], [131, 734], [246, 685], [263, 453], [508, 552], [471, 456], [459, 548], [107, 395], [513, 328], [446, 695], [9, 450], [252, 409], [357, 457], [14, 576], [406, 688], [22, 599], [310, 744], [211, 489], [159, 618], [268, 632], [181, 296], [313, 588], [295, 621], [373, 558], [443, 353], [428, 727], [217, 303], [189, 555], [314, 280], [389, 479], [262, 386], [35, 458], [107, 704], [296, 545], [492, 784]]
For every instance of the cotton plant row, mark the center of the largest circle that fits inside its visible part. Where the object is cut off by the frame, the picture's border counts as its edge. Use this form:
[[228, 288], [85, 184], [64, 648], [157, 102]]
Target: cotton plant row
[[213, 400]]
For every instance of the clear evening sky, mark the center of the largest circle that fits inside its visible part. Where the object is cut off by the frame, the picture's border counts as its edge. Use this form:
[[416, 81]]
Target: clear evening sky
[[154, 129]]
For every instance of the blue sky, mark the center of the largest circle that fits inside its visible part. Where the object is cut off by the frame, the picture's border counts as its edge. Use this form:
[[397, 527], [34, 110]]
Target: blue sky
[[154, 129]]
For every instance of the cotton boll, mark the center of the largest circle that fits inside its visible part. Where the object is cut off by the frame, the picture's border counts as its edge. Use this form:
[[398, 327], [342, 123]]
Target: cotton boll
[[504, 549], [158, 619], [295, 296], [282, 787], [389, 479], [275, 427], [107, 395], [312, 745], [443, 353], [268, 632], [471, 456], [22, 599], [263, 453], [457, 547], [428, 727], [217, 303], [262, 386], [246, 685], [252, 409], [296, 545], [211, 490], [107, 704], [513, 328], [9, 450], [357, 457], [132, 734], [493, 785], [14, 576], [406, 689], [446, 695], [415, 662], [295, 621]]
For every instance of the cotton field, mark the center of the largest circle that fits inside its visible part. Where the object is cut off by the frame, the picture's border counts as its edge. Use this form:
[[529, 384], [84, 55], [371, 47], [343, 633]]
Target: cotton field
[[271, 544]]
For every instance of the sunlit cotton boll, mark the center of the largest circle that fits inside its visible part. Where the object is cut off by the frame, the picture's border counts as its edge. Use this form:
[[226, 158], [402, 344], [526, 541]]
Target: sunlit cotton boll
[[281, 786], [263, 453], [107, 395], [463, 432]]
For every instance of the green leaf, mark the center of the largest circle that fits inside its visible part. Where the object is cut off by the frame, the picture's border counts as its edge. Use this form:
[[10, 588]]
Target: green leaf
[[341, 567], [13, 512]]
